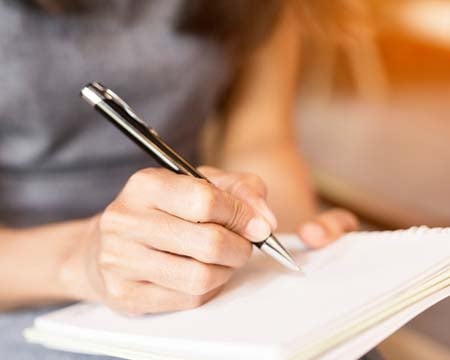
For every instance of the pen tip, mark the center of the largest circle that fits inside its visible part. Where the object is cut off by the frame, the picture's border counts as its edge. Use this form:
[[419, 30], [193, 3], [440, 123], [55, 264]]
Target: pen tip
[[273, 247], [294, 266]]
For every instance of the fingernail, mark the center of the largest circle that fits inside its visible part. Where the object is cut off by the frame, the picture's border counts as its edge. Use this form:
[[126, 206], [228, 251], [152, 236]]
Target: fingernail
[[258, 229], [268, 214], [313, 231]]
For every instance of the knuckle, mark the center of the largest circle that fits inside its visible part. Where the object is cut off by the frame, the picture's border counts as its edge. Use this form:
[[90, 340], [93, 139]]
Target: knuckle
[[242, 182], [215, 245], [256, 183], [148, 176], [106, 260], [112, 216], [205, 197], [138, 177], [201, 281]]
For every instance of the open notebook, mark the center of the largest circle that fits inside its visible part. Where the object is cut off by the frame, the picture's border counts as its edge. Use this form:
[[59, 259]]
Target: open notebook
[[355, 293]]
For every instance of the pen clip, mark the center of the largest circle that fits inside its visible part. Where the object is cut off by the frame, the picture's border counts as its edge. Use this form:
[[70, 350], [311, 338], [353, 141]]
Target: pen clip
[[95, 93], [122, 103]]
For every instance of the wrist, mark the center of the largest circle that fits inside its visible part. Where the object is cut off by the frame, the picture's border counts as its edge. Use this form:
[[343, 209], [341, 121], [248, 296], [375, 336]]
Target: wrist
[[43, 252], [72, 276]]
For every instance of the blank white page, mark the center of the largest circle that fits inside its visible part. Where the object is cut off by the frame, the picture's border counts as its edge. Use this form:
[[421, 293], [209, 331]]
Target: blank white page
[[267, 312]]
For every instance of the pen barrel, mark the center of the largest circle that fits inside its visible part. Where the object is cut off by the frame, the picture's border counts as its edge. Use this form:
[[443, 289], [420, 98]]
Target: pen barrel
[[146, 138]]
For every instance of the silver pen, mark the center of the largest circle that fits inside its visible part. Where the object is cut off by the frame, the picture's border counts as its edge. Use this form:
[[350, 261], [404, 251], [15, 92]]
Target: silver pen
[[125, 119]]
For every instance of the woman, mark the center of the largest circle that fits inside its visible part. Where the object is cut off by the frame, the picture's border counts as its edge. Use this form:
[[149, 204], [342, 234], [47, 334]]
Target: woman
[[84, 214]]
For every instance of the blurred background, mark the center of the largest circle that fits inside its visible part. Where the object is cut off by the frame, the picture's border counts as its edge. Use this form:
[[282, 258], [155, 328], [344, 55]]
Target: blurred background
[[374, 122]]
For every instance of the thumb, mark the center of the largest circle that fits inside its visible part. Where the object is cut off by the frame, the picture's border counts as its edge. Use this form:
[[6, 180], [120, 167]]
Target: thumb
[[327, 227]]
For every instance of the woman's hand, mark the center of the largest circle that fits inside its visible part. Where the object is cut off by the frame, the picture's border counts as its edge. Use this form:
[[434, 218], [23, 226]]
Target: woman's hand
[[327, 227], [169, 242]]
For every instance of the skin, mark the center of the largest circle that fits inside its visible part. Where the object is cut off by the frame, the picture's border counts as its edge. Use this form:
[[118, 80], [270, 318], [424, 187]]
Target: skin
[[169, 251], [175, 248]]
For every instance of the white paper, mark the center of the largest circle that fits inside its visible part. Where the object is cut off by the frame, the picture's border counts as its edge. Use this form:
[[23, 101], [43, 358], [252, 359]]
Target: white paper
[[267, 312]]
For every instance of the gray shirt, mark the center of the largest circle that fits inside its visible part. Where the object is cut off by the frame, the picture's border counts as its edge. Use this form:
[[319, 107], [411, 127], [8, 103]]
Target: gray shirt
[[58, 158]]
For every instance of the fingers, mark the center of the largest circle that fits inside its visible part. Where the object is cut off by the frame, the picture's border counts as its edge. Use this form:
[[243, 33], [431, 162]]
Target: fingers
[[186, 275], [139, 298], [208, 243], [327, 227], [170, 242], [226, 181], [248, 187], [194, 200]]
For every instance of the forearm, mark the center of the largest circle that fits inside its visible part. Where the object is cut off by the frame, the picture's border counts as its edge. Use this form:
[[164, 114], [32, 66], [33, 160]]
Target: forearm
[[31, 264], [259, 132]]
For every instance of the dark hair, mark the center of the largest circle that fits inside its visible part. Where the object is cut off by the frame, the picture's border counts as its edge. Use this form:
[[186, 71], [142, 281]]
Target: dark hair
[[238, 23]]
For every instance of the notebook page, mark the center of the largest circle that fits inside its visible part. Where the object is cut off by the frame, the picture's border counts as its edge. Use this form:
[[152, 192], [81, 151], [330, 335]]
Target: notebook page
[[352, 349], [337, 334], [266, 310], [364, 342]]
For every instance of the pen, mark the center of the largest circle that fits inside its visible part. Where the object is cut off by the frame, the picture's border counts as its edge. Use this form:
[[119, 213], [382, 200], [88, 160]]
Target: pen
[[117, 111]]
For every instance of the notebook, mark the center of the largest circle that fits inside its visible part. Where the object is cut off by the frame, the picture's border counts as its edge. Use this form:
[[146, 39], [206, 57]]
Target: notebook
[[354, 294]]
